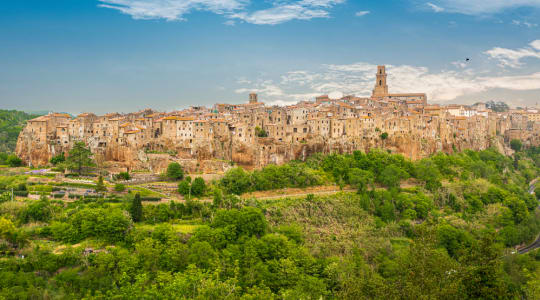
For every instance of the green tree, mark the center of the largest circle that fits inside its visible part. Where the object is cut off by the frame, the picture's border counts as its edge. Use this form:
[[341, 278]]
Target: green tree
[[516, 145], [119, 187], [260, 132], [392, 175], [40, 211], [122, 176], [427, 171], [57, 159], [13, 161], [236, 181], [136, 210], [198, 187], [361, 179], [217, 198], [484, 275], [79, 158], [100, 186], [184, 188], [175, 171]]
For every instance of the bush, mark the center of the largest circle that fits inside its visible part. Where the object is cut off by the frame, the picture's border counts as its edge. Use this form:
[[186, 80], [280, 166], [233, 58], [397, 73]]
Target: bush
[[516, 145], [260, 132], [109, 224], [119, 187], [184, 187], [198, 187], [60, 158], [236, 181], [175, 171], [122, 176], [38, 211], [13, 161], [151, 199]]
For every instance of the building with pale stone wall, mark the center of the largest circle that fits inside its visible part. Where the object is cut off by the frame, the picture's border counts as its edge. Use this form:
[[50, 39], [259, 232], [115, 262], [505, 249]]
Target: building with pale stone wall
[[227, 131]]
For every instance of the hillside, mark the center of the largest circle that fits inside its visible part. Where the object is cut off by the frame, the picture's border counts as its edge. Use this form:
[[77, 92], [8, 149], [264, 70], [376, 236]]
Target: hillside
[[11, 123], [445, 227]]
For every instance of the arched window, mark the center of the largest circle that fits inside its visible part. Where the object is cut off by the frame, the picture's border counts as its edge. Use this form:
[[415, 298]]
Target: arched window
[[380, 82]]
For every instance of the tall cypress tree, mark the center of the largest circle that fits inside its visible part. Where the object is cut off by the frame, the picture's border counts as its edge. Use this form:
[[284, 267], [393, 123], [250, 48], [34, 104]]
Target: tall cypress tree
[[100, 186], [136, 208]]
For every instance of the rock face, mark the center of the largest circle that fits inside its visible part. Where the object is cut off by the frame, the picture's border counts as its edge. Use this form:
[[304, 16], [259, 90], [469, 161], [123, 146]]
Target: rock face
[[216, 155]]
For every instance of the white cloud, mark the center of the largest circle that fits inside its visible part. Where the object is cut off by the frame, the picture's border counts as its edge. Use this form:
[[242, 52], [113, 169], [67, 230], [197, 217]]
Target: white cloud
[[362, 13], [434, 7], [284, 11], [459, 64], [171, 10], [512, 57], [359, 79], [175, 10], [482, 7], [524, 23]]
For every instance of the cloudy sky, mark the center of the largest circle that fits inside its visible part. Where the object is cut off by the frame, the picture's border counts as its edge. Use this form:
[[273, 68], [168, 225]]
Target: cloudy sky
[[125, 55]]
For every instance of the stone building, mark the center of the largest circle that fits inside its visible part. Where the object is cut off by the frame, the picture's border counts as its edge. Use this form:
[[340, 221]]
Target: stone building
[[207, 138]]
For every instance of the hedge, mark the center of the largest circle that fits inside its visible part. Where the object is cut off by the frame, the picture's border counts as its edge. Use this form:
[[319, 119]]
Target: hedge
[[15, 193], [151, 199]]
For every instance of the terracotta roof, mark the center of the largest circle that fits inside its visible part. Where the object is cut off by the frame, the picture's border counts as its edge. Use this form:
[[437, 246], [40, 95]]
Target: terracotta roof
[[40, 119], [61, 115]]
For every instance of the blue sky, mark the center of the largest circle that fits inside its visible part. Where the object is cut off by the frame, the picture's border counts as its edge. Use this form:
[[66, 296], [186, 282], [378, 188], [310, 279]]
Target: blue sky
[[126, 55]]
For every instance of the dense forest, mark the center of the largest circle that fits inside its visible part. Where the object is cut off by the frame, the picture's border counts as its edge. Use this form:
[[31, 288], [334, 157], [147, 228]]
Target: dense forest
[[11, 123], [444, 227]]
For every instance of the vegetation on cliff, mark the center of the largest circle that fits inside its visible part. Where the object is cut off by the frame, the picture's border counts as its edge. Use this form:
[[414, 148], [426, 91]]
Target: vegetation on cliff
[[438, 228], [11, 123]]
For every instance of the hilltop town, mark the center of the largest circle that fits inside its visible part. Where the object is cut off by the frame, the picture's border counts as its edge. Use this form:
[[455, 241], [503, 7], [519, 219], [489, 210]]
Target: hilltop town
[[254, 135]]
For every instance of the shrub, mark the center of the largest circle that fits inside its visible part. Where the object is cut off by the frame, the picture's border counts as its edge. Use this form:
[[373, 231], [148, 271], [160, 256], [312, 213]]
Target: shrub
[[516, 145], [151, 199], [60, 158], [184, 187], [198, 187], [13, 161], [119, 187], [175, 171], [122, 176]]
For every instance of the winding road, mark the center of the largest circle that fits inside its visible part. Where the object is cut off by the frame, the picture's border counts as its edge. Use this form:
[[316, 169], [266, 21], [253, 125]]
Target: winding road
[[535, 244]]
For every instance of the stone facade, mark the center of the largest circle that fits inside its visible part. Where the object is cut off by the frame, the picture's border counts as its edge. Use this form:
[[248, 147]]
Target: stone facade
[[205, 139]]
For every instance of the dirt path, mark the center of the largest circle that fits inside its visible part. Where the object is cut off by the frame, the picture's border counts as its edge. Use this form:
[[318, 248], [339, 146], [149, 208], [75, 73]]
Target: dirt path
[[305, 194], [275, 194]]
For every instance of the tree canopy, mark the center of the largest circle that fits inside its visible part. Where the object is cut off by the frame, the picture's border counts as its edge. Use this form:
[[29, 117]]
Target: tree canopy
[[79, 158]]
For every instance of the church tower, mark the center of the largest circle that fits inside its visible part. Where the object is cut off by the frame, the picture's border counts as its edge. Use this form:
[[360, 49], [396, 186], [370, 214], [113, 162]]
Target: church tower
[[381, 89], [253, 99]]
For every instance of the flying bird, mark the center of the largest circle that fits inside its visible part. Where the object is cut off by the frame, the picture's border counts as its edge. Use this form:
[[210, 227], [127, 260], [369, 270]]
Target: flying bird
[[467, 59]]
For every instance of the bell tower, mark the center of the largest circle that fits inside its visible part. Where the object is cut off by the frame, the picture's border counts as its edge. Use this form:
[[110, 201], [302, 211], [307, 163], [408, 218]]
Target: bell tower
[[381, 89], [253, 98]]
